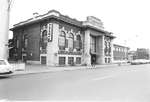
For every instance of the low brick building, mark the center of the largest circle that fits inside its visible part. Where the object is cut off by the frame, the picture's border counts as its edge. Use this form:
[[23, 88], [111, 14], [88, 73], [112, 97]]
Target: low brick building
[[120, 53], [54, 39]]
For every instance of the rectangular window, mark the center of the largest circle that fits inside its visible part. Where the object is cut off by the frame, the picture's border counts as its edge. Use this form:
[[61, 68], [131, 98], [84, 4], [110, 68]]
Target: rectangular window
[[105, 60], [62, 60], [70, 60], [109, 60], [78, 60]]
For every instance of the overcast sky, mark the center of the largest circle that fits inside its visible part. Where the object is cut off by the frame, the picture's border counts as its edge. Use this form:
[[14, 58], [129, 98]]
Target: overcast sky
[[129, 20]]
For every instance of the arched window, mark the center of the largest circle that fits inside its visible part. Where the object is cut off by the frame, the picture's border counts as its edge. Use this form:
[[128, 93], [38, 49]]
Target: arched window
[[44, 36], [61, 40], [70, 41], [44, 39], [78, 43]]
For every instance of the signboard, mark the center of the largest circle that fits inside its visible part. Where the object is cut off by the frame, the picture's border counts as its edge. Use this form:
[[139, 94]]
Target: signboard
[[95, 22], [50, 32]]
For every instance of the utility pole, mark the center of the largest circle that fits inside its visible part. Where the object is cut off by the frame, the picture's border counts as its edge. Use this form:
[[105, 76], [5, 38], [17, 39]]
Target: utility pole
[[4, 27]]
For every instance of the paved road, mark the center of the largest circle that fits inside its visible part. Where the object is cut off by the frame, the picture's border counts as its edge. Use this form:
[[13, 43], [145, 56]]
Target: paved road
[[116, 84]]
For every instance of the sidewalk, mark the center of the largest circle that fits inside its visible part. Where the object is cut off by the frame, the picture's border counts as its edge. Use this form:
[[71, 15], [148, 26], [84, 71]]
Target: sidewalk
[[34, 69]]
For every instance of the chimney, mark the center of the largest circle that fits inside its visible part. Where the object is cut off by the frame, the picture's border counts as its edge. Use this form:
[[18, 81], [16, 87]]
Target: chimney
[[35, 14]]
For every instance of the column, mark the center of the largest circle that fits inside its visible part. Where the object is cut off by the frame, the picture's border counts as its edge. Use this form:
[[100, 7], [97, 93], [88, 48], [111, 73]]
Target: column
[[86, 59], [101, 56], [52, 47]]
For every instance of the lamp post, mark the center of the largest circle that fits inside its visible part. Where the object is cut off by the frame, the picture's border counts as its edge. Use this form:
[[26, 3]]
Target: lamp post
[[4, 27]]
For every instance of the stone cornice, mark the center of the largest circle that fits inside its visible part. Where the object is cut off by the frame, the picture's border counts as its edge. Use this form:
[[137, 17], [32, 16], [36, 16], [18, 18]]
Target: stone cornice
[[91, 23]]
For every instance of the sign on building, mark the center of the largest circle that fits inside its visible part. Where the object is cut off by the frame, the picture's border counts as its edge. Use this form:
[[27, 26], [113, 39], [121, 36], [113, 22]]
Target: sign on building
[[50, 32]]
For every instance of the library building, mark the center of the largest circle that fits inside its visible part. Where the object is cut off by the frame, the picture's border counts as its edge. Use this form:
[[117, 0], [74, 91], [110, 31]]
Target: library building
[[54, 39]]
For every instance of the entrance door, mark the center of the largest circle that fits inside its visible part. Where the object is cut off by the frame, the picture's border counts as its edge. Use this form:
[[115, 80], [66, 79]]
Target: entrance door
[[93, 58]]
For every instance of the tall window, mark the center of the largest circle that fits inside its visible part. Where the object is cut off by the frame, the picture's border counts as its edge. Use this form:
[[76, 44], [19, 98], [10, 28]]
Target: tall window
[[105, 60], [61, 41], [93, 44], [25, 42], [70, 41], [17, 43], [78, 43], [44, 39]]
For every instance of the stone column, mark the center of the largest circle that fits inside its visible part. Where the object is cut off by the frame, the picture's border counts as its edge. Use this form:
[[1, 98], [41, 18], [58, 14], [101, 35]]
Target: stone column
[[52, 47], [102, 54], [86, 59]]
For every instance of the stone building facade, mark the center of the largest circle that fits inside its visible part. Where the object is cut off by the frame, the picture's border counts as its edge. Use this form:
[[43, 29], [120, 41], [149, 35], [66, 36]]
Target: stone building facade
[[54, 39]]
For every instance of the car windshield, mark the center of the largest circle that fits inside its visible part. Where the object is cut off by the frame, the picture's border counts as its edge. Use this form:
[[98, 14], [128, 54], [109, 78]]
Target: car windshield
[[2, 62]]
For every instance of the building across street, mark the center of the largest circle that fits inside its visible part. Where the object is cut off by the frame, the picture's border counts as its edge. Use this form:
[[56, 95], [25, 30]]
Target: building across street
[[140, 53], [120, 53]]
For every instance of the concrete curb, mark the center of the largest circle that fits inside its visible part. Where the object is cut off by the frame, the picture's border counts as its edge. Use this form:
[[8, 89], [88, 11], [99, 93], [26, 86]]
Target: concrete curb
[[59, 69]]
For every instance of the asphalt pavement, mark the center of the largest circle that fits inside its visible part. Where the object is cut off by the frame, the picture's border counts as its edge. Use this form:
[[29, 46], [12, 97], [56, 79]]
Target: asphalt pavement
[[116, 84]]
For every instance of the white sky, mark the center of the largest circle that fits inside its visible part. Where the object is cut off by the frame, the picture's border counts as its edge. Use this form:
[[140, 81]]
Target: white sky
[[129, 20]]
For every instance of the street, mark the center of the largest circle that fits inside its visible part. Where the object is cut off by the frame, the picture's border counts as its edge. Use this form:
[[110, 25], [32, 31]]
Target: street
[[116, 84]]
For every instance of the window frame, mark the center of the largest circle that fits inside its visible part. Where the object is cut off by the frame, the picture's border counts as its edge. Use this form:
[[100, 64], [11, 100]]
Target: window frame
[[70, 60], [77, 59], [60, 58], [71, 41], [78, 43], [62, 35]]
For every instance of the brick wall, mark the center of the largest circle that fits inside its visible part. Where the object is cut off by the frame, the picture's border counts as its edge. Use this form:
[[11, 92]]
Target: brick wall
[[33, 49], [33, 36]]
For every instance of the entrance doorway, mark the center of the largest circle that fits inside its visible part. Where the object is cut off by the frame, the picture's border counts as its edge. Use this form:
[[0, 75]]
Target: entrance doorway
[[93, 59]]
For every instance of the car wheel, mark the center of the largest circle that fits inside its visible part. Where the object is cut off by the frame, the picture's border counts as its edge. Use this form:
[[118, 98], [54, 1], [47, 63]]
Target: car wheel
[[10, 72]]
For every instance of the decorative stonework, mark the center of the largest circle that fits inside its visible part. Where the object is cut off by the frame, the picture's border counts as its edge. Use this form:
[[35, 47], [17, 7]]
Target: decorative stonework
[[67, 37], [50, 32], [70, 53], [94, 22], [107, 45]]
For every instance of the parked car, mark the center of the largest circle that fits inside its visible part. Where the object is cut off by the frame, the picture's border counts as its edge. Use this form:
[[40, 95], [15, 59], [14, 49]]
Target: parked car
[[5, 67], [140, 61]]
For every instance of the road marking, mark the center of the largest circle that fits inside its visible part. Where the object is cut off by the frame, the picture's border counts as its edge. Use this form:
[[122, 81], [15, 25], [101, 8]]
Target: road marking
[[105, 77]]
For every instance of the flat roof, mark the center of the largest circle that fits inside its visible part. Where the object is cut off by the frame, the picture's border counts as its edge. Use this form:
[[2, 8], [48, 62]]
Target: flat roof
[[53, 14], [121, 46]]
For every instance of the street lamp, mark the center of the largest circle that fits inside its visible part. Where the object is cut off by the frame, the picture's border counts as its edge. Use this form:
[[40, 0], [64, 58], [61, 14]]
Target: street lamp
[[5, 6]]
